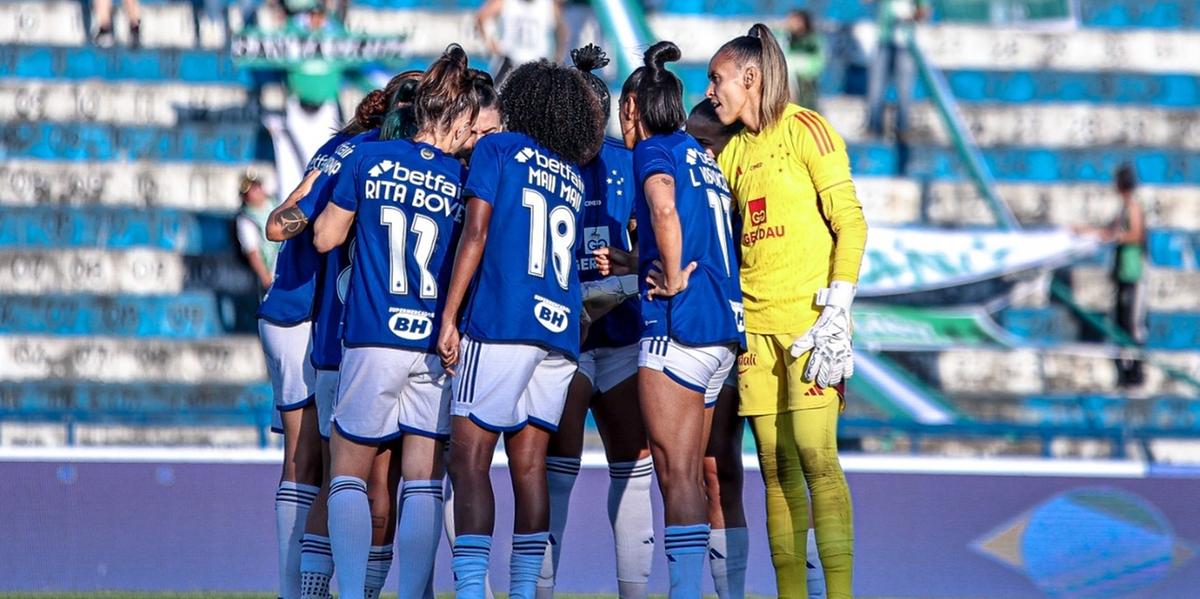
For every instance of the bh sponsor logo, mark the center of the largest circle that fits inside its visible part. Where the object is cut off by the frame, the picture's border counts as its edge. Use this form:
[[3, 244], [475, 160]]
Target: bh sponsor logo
[[550, 314], [410, 324]]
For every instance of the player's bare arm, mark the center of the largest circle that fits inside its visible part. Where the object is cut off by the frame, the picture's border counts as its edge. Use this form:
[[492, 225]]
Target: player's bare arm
[[466, 262]]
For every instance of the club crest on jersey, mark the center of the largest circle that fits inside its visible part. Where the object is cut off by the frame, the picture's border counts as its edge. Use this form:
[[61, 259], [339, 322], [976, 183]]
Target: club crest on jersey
[[426, 153], [595, 238], [551, 314], [758, 211], [410, 324]]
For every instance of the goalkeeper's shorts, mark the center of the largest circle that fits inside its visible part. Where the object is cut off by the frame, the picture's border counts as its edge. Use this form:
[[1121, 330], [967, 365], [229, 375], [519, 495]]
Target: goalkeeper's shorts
[[771, 381]]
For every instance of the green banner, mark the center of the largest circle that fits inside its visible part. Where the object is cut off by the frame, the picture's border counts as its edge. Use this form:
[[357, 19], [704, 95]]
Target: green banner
[[901, 328]]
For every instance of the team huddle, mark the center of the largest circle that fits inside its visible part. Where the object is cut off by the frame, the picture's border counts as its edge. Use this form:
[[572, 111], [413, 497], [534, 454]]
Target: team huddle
[[464, 262]]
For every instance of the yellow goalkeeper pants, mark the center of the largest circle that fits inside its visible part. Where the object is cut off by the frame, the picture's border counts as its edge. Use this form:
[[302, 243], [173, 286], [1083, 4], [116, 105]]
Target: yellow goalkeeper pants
[[797, 450]]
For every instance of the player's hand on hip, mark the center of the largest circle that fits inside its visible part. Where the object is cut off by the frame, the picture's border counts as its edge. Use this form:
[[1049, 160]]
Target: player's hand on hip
[[661, 287], [448, 343]]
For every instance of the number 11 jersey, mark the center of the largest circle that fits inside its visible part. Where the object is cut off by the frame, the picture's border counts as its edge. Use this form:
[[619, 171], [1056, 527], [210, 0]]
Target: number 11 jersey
[[526, 289], [406, 199]]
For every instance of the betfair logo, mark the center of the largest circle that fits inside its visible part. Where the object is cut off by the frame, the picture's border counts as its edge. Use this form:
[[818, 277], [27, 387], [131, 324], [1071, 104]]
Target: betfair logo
[[383, 167]]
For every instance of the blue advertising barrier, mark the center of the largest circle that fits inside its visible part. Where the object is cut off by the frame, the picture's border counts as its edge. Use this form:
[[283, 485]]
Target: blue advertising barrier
[[115, 228], [923, 528], [83, 400], [188, 315], [78, 63], [85, 141]]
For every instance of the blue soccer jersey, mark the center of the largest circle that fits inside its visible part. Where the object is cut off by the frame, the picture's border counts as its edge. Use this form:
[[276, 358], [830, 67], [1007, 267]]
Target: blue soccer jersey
[[527, 287], [709, 311], [289, 301], [406, 199], [607, 209], [333, 277]]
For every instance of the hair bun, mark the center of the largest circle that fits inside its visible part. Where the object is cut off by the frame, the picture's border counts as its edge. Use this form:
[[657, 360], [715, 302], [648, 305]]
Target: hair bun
[[758, 30], [589, 58], [372, 108], [660, 54], [457, 55], [480, 77]]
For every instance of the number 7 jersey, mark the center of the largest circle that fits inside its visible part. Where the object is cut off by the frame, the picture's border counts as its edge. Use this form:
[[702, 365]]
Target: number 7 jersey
[[406, 199], [526, 290]]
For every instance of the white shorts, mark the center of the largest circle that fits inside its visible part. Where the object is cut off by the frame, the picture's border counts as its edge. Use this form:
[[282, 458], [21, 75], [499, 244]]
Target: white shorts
[[385, 392], [325, 396], [293, 378], [607, 367], [701, 369], [504, 386]]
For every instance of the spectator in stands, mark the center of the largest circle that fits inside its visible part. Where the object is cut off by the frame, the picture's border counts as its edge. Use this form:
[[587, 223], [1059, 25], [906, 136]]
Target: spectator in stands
[[251, 223], [104, 28], [526, 30], [896, 21], [1128, 231], [805, 57]]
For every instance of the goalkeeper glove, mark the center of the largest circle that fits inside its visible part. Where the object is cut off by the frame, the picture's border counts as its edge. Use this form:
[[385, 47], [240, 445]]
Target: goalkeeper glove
[[832, 358]]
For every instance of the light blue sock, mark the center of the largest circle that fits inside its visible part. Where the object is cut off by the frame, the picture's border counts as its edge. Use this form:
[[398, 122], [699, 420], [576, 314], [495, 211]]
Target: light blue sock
[[350, 533], [687, 547], [528, 552], [418, 535], [316, 567], [470, 565], [378, 564]]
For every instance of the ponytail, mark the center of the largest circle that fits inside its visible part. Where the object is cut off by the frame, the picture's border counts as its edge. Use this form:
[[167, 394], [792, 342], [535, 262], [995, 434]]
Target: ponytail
[[759, 48], [659, 91], [446, 91]]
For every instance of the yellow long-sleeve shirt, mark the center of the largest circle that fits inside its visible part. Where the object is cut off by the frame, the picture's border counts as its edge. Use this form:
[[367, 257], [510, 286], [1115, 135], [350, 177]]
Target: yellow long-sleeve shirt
[[801, 223]]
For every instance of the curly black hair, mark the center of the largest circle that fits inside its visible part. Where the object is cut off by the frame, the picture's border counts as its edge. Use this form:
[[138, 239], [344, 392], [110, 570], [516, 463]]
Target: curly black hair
[[556, 107], [592, 58]]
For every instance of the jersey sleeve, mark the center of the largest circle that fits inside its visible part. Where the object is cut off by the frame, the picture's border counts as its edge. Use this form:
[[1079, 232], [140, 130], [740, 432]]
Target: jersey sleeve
[[345, 189], [483, 176], [824, 154], [652, 159], [318, 196]]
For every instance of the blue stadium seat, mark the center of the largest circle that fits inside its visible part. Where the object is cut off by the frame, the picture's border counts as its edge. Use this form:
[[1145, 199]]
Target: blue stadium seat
[[197, 314], [84, 141], [115, 228]]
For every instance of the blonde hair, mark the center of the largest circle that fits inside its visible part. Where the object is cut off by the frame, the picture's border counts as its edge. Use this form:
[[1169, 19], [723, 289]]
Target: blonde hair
[[760, 49]]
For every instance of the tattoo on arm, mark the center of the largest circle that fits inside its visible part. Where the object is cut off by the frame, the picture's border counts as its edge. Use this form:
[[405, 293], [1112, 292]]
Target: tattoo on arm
[[291, 220]]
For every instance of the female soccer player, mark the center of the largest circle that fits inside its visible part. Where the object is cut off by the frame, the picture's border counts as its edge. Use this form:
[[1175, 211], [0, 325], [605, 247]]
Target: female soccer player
[[691, 306], [286, 326], [607, 367], [401, 198], [316, 563], [801, 244], [520, 325]]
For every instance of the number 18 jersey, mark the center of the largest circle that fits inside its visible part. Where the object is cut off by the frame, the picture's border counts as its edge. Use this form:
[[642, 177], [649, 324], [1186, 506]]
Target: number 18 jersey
[[527, 287], [406, 199]]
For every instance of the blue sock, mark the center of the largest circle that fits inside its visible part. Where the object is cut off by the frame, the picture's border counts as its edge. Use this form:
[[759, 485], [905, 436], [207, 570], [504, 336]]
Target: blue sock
[[470, 565], [418, 534], [687, 548], [378, 564], [528, 552], [350, 533]]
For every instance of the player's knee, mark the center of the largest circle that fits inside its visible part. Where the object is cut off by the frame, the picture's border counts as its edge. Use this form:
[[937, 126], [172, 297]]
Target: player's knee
[[821, 465]]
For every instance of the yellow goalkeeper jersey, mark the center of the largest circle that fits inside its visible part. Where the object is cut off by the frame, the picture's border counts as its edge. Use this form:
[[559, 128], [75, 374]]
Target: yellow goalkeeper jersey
[[801, 223]]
